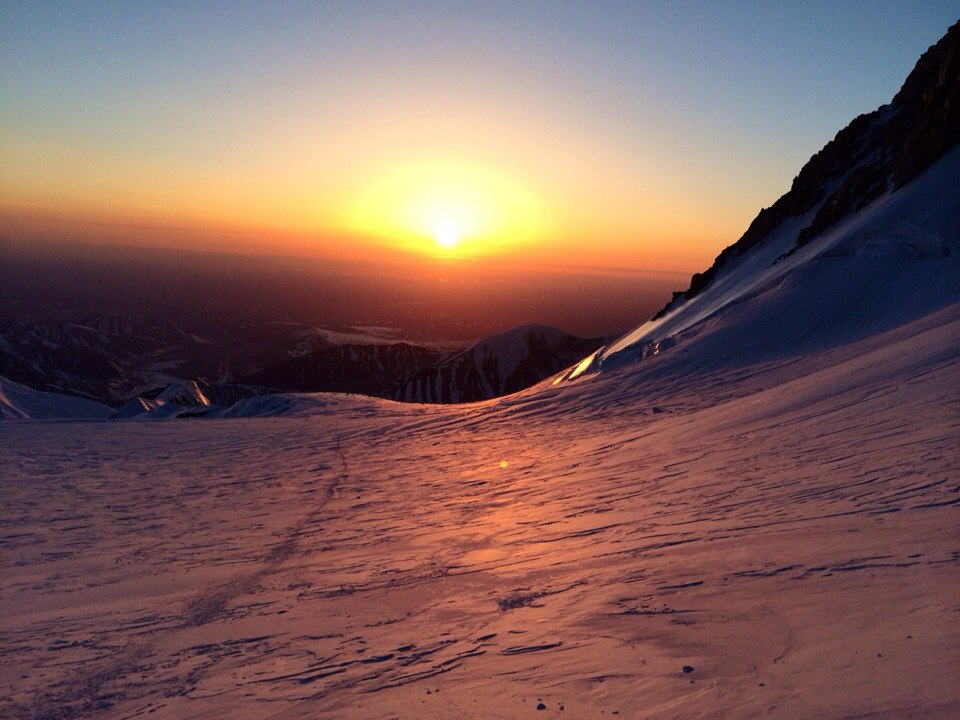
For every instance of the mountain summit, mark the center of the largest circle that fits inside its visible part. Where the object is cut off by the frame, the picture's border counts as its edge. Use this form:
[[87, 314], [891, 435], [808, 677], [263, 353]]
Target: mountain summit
[[859, 244], [876, 153]]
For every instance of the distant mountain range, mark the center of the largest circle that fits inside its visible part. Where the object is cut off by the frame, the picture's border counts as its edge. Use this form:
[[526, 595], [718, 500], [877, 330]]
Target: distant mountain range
[[498, 365], [866, 239], [141, 366], [104, 356], [368, 369]]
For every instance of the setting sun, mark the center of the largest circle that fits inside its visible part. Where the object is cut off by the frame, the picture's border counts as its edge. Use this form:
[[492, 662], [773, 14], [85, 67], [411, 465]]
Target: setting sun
[[463, 210], [447, 234]]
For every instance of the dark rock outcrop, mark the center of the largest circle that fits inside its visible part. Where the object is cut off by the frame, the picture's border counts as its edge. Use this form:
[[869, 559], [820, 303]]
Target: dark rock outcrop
[[352, 368], [498, 365], [102, 356], [877, 152]]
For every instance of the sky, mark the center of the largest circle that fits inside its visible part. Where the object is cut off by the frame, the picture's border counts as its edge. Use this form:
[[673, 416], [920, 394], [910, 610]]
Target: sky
[[601, 135]]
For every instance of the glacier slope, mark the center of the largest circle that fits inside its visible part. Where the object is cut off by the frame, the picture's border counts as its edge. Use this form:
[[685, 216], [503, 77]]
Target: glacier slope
[[789, 532], [893, 262]]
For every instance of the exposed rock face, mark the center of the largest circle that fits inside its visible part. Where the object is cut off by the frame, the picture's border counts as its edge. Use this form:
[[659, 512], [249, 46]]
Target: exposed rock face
[[367, 369], [498, 365], [876, 153], [103, 356], [179, 396]]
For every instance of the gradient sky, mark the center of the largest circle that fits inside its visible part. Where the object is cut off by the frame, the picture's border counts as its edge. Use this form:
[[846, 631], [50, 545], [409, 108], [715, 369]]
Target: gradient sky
[[591, 134]]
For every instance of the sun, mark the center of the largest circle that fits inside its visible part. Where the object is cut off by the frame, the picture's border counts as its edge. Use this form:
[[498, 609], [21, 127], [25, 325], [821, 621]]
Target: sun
[[447, 234], [445, 210]]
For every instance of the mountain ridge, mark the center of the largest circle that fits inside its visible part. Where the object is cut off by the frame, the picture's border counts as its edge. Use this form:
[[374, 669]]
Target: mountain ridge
[[875, 152], [497, 365]]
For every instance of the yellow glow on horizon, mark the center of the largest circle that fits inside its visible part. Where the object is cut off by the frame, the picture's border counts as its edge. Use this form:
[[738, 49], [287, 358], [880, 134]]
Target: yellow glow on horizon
[[447, 234], [457, 210], [505, 208]]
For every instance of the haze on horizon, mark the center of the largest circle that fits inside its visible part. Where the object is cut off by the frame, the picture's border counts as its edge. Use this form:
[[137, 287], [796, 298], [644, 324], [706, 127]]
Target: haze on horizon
[[643, 137]]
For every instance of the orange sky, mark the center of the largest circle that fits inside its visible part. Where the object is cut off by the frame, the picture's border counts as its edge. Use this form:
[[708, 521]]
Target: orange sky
[[529, 203], [642, 137]]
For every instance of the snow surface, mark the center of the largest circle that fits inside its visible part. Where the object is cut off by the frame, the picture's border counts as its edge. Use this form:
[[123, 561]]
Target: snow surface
[[771, 503], [19, 402], [508, 348], [893, 262], [789, 531]]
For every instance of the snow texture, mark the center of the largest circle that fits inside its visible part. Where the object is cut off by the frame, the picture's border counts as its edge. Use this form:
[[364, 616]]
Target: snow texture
[[897, 260], [19, 402]]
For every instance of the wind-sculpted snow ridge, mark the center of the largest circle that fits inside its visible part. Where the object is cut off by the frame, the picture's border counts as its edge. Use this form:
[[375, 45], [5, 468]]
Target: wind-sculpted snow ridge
[[777, 541], [893, 262], [19, 402], [876, 153]]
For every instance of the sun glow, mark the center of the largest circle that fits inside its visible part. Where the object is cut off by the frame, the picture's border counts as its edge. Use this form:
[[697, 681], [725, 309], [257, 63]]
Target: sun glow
[[453, 211], [447, 234]]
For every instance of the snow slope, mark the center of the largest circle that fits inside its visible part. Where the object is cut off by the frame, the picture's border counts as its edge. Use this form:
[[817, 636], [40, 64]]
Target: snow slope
[[789, 533], [895, 261], [21, 402]]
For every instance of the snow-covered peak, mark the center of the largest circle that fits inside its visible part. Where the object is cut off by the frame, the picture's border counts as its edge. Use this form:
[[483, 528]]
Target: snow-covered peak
[[508, 348], [497, 365], [178, 397], [892, 262], [185, 393], [866, 236]]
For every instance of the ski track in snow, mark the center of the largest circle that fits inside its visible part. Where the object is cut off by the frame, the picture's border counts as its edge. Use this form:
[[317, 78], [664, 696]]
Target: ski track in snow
[[790, 535]]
